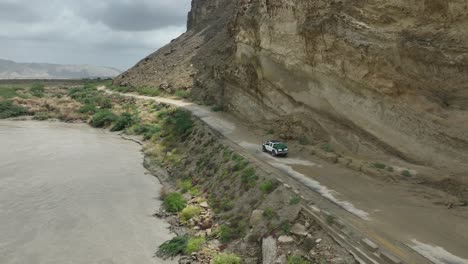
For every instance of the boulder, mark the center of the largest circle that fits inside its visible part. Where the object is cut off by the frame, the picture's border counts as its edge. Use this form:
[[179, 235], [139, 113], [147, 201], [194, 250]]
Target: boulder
[[269, 250], [256, 218], [298, 229], [285, 239]]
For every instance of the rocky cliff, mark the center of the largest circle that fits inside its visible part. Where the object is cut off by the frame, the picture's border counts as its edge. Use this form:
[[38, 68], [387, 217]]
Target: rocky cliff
[[376, 78]]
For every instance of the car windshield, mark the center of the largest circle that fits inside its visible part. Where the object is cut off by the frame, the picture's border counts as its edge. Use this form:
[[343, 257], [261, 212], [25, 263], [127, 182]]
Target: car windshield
[[280, 146]]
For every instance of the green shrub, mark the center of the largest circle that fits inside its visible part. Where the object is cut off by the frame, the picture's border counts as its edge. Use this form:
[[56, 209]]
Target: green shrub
[[239, 163], [194, 244], [8, 109], [177, 122], [406, 173], [225, 233], [88, 109], [195, 191], [9, 92], [147, 130], [41, 116], [224, 258], [182, 93], [380, 166], [173, 247], [184, 185], [121, 89], [88, 94], [37, 90], [174, 202], [148, 91], [227, 205], [269, 213], [125, 120], [103, 118], [464, 202], [270, 131], [294, 259], [285, 227], [249, 177], [295, 200], [189, 212], [217, 108], [327, 148], [268, 187], [330, 219]]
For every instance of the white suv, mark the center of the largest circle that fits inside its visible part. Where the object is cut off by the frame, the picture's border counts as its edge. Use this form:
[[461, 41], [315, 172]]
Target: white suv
[[275, 148]]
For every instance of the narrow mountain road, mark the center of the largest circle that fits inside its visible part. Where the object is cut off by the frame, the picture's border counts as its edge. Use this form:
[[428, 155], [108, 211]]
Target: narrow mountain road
[[397, 216]]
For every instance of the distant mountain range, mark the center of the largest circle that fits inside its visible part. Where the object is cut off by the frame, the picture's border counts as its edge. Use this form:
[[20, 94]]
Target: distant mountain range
[[13, 70]]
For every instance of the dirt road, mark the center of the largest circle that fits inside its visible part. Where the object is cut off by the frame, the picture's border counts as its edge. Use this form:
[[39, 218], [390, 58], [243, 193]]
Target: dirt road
[[399, 215]]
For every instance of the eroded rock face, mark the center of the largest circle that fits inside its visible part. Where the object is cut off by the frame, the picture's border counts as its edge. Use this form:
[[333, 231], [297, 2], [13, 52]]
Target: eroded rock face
[[374, 77]]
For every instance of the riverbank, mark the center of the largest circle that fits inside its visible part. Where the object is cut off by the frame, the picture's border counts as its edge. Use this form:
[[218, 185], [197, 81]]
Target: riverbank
[[70, 193], [227, 206]]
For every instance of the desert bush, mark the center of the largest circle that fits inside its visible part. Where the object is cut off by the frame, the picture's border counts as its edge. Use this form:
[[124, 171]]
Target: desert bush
[[184, 185], [88, 109], [327, 148], [269, 213], [125, 120], [330, 219], [268, 186], [294, 259], [9, 92], [217, 108], [406, 173], [189, 212], [174, 202], [173, 247], [148, 91], [239, 163], [249, 177], [295, 200], [182, 93], [225, 233], [41, 116], [380, 166], [147, 130], [285, 227], [88, 94], [194, 244], [224, 258], [37, 90], [121, 89], [8, 109], [103, 118], [176, 122]]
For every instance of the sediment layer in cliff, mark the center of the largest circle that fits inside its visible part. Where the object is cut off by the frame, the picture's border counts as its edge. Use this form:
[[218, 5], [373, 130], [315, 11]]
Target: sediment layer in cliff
[[377, 79]]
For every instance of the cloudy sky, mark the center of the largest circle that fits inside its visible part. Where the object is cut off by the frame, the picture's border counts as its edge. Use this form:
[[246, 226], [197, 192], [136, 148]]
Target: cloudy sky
[[115, 33]]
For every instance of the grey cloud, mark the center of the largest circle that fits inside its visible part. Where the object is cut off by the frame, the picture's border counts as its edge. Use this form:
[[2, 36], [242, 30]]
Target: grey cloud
[[18, 12], [101, 32], [138, 15]]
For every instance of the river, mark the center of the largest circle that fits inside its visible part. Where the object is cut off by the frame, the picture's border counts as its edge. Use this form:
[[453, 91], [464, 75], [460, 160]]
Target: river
[[71, 194]]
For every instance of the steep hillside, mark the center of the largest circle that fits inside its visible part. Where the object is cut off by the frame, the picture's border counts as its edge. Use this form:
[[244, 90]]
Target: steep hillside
[[376, 79], [12, 70]]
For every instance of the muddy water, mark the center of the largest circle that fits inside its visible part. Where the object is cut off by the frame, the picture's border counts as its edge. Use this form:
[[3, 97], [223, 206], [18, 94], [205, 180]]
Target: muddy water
[[74, 194]]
